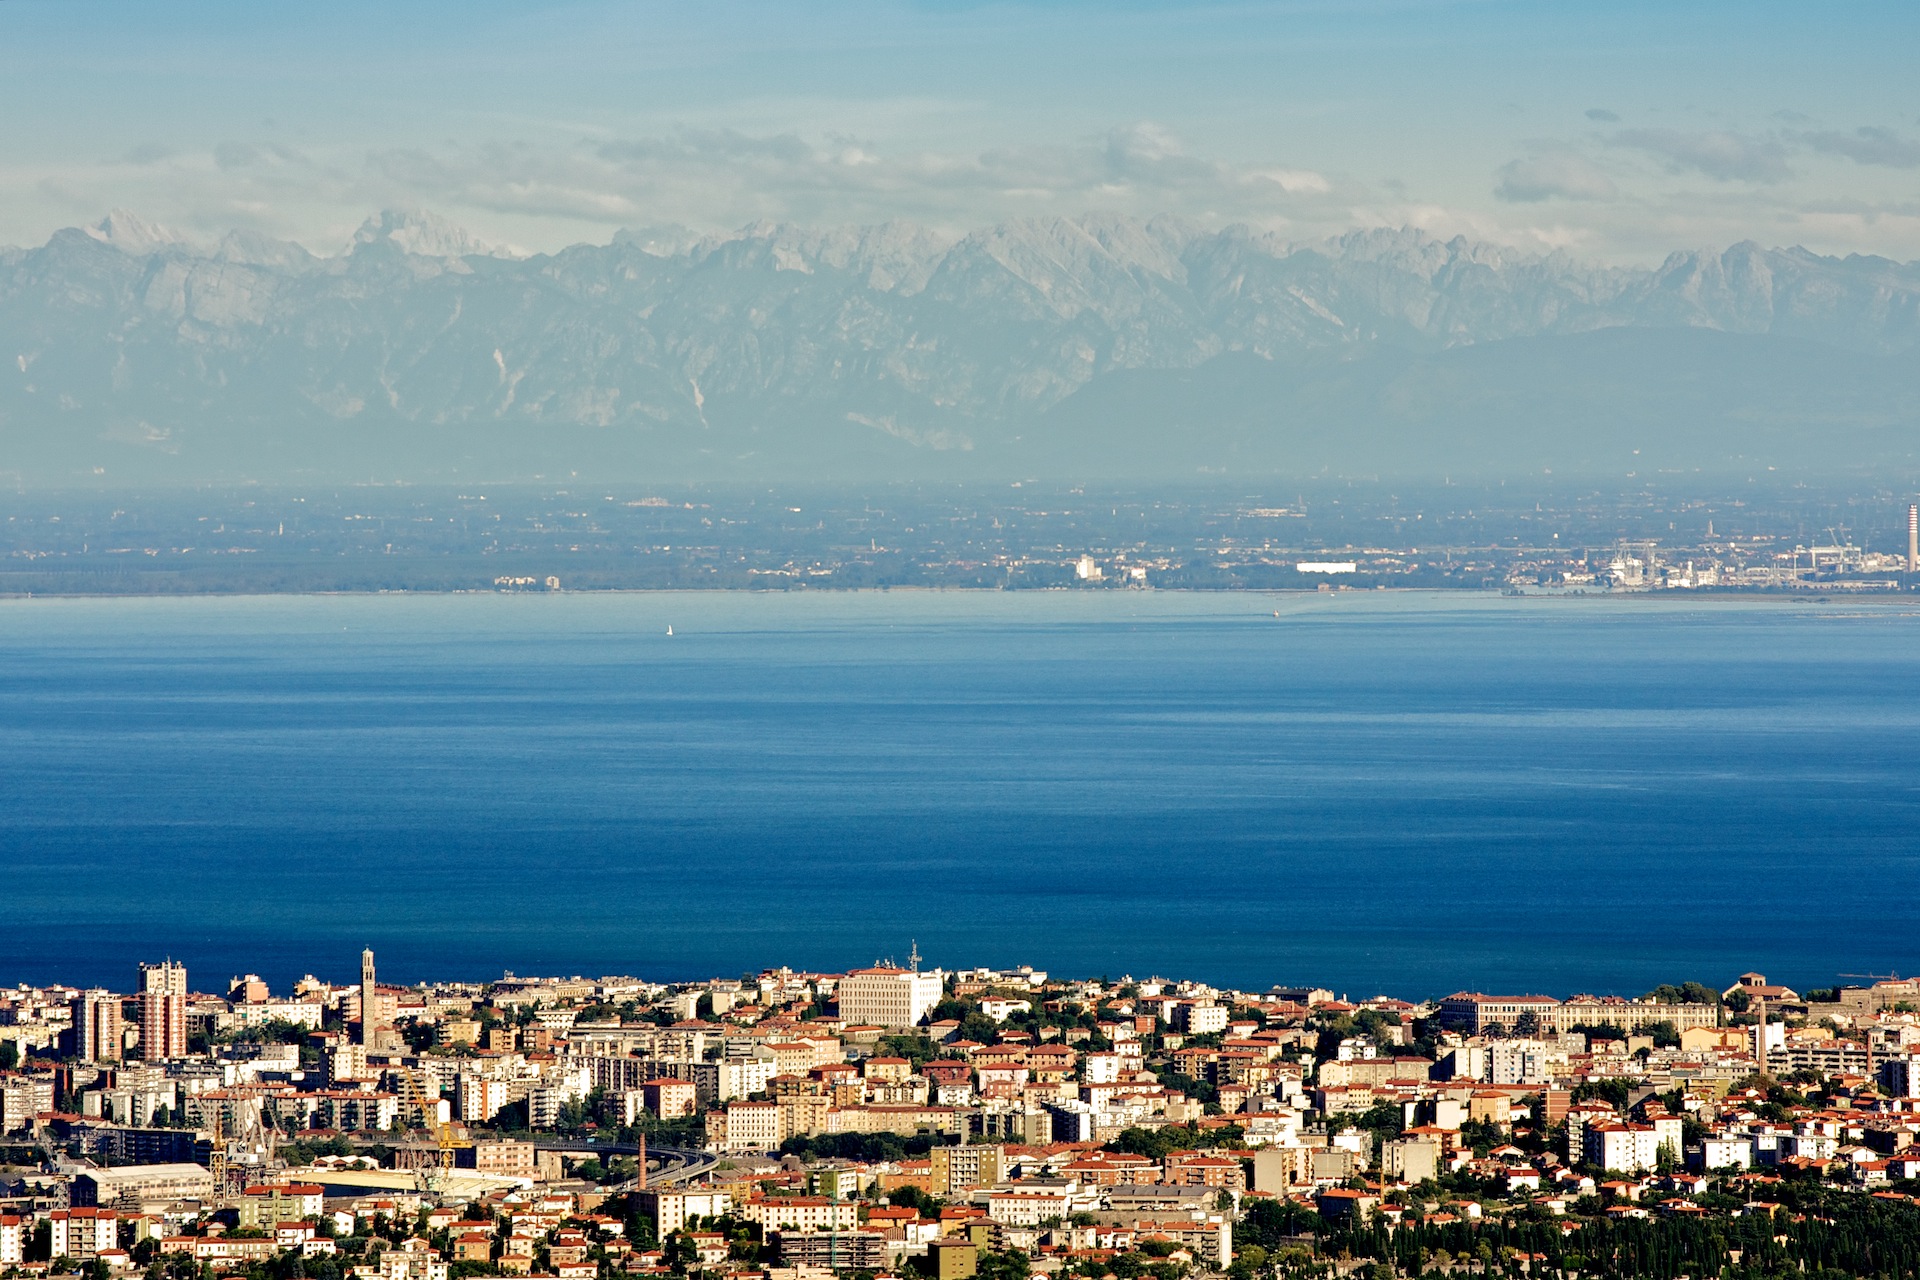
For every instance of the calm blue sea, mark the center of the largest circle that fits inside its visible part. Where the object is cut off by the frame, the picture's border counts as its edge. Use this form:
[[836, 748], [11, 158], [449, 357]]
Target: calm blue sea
[[1379, 791]]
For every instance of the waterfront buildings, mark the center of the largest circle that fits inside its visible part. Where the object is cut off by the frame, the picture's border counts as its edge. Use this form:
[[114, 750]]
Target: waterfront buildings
[[1056, 1117]]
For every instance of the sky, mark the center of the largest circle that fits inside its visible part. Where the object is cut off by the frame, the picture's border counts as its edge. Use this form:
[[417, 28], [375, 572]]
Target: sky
[[1616, 131]]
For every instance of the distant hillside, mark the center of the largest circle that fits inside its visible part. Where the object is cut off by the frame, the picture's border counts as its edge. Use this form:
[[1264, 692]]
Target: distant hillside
[[1096, 347]]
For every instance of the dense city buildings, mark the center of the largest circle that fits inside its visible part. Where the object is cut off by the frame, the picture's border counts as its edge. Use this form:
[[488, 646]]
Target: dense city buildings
[[900, 1120], [1760, 534]]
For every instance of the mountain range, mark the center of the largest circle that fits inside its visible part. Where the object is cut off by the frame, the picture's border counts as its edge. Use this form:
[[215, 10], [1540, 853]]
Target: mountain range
[[1082, 348]]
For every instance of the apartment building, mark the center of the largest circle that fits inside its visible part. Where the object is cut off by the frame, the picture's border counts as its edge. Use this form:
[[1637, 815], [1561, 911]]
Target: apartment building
[[1200, 1017], [264, 1206], [799, 1213], [97, 1030], [671, 1208], [81, 1234], [960, 1168], [747, 1126], [479, 1099], [163, 1011], [22, 1098], [1621, 1147]]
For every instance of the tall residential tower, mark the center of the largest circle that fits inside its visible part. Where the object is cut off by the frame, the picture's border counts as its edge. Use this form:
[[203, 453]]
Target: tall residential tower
[[96, 1026], [163, 1011]]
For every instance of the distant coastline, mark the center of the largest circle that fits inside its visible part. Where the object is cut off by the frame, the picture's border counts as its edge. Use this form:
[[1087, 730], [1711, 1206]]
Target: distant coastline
[[1325, 534], [1802, 595]]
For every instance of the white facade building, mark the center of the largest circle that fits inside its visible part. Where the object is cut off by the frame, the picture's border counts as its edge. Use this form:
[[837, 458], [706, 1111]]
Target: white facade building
[[1620, 1147], [1517, 1062], [1201, 1018], [478, 1099], [1726, 1153], [888, 997]]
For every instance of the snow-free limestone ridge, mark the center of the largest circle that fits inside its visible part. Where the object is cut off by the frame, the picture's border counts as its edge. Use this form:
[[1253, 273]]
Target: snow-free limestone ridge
[[1098, 346]]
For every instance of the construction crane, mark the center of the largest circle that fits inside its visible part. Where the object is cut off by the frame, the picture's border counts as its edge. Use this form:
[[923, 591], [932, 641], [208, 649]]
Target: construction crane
[[217, 1153], [432, 1178]]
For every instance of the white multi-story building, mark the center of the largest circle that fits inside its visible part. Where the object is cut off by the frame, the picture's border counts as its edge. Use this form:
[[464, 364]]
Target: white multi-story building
[[755, 1126], [82, 1233], [1200, 1018], [728, 1078], [1073, 1121], [477, 1098], [13, 1240], [671, 1208], [22, 1098], [1726, 1152], [1029, 1206], [1517, 1062], [888, 997], [1000, 1009], [1808, 1146], [1901, 1076], [799, 1213], [1621, 1147], [354, 1110], [546, 1101]]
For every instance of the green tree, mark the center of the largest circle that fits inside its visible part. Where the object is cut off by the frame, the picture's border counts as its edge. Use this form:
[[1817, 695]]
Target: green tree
[[1664, 1033], [1012, 1265], [914, 1198], [917, 1049], [1248, 1261], [1685, 993], [1155, 1144]]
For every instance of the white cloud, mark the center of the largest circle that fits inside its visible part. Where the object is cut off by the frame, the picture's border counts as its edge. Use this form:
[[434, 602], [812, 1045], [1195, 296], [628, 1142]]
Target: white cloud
[[1719, 154], [1551, 175], [1581, 194], [723, 177], [1868, 145]]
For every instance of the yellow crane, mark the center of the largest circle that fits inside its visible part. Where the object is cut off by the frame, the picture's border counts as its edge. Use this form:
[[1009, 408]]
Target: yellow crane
[[428, 1101]]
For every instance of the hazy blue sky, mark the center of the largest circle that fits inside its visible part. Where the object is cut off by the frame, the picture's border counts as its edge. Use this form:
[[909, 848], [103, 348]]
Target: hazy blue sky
[[1620, 130]]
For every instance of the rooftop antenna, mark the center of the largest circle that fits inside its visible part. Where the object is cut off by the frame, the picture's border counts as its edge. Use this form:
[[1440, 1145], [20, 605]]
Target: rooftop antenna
[[913, 956]]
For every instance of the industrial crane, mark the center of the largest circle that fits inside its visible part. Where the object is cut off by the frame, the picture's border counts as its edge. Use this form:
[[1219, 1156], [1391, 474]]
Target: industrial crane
[[428, 1100]]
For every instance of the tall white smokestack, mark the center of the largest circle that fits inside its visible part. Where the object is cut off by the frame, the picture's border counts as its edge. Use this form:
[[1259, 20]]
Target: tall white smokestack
[[1913, 537]]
